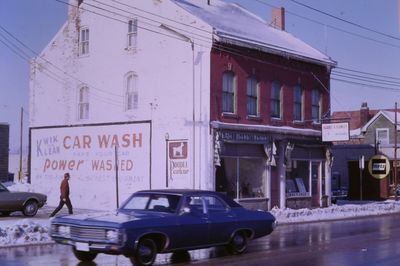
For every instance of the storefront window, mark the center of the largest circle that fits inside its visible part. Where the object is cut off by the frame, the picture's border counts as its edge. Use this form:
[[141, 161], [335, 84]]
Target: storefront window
[[298, 179], [242, 178]]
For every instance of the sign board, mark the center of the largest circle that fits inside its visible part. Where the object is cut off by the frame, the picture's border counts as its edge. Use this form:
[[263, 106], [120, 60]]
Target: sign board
[[178, 162], [335, 132], [379, 166], [88, 153]]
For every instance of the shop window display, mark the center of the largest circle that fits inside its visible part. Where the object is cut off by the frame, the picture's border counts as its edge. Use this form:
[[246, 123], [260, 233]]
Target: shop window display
[[242, 178], [298, 179]]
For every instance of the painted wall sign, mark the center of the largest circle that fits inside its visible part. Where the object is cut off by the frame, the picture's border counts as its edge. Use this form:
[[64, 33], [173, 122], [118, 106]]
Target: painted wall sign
[[89, 154], [178, 161]]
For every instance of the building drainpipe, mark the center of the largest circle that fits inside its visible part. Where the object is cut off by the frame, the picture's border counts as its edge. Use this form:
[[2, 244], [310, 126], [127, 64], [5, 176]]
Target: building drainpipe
[[282, 175], [328, 175], [193, 118], [268, 186]]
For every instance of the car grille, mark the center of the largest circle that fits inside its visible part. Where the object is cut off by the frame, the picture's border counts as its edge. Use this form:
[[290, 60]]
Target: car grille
[[88, 233]]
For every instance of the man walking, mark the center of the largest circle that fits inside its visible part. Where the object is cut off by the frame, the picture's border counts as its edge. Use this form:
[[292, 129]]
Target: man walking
[[64, 197]]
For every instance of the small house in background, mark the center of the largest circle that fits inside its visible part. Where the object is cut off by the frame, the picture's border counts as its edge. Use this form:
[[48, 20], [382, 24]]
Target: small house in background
[[372, 132]]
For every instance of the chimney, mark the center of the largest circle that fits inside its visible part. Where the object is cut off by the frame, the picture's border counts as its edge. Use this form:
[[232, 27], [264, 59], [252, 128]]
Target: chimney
[[278, 18], [364, 114]]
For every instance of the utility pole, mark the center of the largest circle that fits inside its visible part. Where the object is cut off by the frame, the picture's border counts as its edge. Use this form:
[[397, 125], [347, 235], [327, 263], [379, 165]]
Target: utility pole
[[361, 164], [116, 176], [395, 151], [20, 146]]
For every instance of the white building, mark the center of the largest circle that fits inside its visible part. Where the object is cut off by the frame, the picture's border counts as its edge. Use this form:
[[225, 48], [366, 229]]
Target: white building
[[143, 62]]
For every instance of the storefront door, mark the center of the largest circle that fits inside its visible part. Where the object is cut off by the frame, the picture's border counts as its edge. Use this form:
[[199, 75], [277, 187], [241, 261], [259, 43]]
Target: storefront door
[[315, 181]]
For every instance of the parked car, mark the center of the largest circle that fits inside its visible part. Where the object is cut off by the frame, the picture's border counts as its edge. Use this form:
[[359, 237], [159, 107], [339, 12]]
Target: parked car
[[27, 202], [339, 194], [161, 221]]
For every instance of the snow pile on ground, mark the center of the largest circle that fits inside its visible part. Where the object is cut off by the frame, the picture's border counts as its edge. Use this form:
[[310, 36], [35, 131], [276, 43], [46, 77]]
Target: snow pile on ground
[[24, 232], [335, 212]]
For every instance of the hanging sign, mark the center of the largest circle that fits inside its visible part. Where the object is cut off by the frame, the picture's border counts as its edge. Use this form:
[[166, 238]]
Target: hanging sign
[[379, 166]]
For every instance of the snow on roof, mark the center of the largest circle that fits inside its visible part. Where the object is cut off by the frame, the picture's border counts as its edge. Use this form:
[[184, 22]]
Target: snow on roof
[[390, 115], [234, 24]]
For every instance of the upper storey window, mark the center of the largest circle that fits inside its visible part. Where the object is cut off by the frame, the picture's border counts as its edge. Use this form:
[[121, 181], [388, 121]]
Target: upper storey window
[[83, 103], [276, 96], [131, 92], [228, 92], [298, 104], [84, 41], [132, 34], [316, 105], [252, 96]]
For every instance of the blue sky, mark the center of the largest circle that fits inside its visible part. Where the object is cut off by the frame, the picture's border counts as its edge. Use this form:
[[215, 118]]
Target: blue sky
[[361, 35]]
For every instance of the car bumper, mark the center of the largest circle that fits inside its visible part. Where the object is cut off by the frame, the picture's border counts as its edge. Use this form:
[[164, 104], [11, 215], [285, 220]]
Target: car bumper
[[88, 246]]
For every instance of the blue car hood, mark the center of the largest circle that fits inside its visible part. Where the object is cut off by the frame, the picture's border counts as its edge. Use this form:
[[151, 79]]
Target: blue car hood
[[114, 217]]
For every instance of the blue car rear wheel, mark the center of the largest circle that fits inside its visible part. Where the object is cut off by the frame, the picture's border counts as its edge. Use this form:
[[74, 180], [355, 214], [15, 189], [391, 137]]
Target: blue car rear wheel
[[238, 243]]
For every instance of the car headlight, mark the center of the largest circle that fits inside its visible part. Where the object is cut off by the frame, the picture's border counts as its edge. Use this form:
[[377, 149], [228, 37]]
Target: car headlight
[[64, 230], [112, 235]]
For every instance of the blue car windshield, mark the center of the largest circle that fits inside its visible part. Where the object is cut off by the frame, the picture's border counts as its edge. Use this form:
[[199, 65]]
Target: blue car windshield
[[152, 202]]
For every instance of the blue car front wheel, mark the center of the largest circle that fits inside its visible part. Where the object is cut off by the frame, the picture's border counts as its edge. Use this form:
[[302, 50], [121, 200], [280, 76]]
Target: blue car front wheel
[[145, 253]]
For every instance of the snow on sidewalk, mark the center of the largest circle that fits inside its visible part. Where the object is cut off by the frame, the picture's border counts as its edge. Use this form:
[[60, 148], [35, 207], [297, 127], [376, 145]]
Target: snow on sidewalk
[[25, 231], [343, 210]]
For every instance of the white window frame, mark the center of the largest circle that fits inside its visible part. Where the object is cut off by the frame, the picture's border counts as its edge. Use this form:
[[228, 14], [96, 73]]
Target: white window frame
[[253, 92], [83, 102], [386, 139], [276, 85], [316, 100], [84, 41], [229, 92], [131, 40], [298, 104], [131, 91]]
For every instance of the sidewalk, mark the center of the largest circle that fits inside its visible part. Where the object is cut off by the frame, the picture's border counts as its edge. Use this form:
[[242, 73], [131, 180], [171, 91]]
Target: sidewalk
[[43, 213]]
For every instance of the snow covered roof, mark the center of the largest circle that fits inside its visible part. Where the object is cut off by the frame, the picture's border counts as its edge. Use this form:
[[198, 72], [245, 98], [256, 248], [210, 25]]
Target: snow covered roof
[[236, 25], [388, 114]]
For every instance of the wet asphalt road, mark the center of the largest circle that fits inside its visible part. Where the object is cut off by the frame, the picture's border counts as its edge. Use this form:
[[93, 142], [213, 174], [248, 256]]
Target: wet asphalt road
[[368, 241]]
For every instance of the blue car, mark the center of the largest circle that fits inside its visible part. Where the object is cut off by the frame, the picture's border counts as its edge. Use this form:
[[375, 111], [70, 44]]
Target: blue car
[[162, 221]]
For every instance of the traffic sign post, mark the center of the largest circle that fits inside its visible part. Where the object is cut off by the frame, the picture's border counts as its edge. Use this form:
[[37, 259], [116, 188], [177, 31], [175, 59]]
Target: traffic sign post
[[361, 163]]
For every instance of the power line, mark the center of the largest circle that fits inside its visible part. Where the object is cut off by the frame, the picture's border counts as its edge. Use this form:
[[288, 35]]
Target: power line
[[365, 79], [365, 85], [368, 73], [333, 27], [347, 21]]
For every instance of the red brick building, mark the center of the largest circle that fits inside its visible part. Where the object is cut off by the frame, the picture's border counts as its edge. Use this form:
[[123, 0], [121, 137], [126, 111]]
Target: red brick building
[[267, 107]]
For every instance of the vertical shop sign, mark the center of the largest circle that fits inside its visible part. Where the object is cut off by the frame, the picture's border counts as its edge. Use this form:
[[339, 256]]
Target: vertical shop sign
[[178, 162]]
